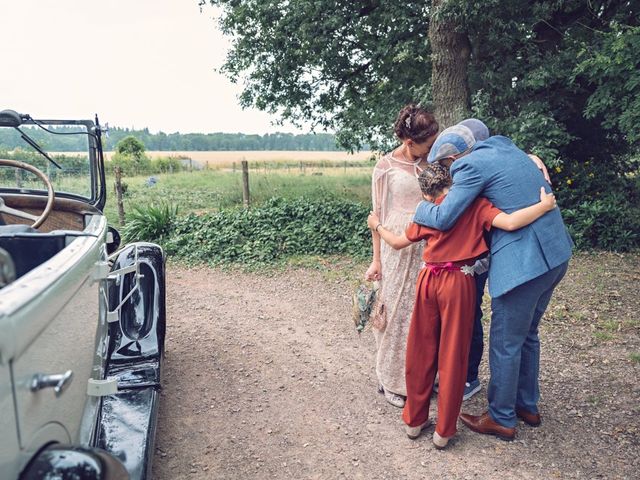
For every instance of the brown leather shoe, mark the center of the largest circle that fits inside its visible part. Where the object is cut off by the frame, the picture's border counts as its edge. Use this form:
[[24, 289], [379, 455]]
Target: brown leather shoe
[[531, 419], [485, 424]]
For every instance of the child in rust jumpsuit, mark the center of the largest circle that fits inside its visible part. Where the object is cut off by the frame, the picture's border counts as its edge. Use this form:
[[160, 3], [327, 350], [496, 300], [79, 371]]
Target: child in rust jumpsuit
[[443, 313]]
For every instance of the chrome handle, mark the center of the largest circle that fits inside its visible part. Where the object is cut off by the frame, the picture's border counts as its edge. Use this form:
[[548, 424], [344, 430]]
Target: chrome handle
[[59, 382]]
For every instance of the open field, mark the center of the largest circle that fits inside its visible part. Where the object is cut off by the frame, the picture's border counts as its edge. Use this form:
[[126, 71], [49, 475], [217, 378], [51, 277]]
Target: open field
[[228, 157], [206, 190]]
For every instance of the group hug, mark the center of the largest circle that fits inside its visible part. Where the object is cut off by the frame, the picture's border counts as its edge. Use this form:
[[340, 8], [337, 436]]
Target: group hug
[[452, 209]]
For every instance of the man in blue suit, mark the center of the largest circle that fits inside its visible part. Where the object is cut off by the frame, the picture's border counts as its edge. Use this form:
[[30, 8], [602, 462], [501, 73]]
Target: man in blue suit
[[526, 265]]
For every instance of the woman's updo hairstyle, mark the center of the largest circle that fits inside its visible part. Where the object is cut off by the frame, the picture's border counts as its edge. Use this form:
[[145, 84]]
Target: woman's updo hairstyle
[[434, 179], [415, 123]]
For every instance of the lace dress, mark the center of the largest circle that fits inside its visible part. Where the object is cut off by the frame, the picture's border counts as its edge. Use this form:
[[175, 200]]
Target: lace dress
[[395, 195]]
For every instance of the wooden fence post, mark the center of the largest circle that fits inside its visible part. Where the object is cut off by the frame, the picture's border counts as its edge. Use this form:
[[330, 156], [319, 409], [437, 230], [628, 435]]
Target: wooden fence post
[[118, 172], [245, 183]]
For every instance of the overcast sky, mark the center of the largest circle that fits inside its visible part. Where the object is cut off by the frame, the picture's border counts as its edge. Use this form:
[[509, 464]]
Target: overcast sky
[[137, 63]]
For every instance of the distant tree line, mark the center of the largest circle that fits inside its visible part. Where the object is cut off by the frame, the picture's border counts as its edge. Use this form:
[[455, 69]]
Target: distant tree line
[[223, 141], [9, 140]]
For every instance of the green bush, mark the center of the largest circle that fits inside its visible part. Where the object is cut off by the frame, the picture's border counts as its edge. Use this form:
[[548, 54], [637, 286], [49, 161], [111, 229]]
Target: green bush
[[166, 165], [131, 165], [600, 206], [608, 223], [276, 230], [150, 223], [71, 165]]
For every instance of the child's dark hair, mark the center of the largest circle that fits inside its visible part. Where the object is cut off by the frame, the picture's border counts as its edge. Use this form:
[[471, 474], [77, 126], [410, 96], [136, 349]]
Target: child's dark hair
[[434, 179], [415, 123]]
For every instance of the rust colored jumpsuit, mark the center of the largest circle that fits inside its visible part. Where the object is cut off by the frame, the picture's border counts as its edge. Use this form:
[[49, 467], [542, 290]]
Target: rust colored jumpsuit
[[442, 320]]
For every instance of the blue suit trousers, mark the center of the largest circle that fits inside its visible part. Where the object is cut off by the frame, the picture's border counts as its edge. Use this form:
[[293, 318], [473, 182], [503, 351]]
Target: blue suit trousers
[[514, 347], [477, 342]]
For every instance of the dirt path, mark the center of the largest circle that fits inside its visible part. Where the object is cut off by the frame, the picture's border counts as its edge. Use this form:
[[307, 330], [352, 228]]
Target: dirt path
[[265, 377]]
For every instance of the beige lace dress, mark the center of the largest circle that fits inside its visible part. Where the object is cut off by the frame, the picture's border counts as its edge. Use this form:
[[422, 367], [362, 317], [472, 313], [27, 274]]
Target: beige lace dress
[[395, 195]]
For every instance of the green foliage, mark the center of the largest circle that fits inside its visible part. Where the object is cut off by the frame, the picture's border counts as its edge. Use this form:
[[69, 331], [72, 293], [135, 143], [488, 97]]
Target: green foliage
[[532, 129], [63, 141], [561, 78], [608, 223], [341, 65], [223, 141], [166, 165], [130, 147], [149, 223], [614, 69], [9, 140], [214, 190], [278, 229], [131, 165], [73, 177], [130, 157], [600, 205], [72, 165]]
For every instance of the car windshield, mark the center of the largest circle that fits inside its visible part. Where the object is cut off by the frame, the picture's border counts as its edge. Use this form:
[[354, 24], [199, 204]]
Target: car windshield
[[66, 145]]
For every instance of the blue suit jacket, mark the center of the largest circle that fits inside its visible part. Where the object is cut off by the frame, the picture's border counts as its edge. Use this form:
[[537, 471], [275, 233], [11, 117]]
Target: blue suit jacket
[[501, 172]]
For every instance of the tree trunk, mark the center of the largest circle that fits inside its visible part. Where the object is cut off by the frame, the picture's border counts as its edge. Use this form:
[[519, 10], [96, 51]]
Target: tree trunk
[[450, 52]]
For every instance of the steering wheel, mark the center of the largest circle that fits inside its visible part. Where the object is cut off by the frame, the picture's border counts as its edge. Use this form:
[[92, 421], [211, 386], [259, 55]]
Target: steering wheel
[[37, 220]]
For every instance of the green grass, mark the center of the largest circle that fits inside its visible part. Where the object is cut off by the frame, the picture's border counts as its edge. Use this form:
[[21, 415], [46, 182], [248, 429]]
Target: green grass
[[603, 336], [211, 190], [609, 325], [634, 357]]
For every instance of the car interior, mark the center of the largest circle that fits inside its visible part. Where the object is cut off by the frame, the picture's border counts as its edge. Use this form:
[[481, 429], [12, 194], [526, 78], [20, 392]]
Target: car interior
[[27, 247]]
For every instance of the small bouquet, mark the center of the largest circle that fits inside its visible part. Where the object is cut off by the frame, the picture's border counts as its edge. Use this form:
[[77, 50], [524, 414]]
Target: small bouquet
[[364, 304]]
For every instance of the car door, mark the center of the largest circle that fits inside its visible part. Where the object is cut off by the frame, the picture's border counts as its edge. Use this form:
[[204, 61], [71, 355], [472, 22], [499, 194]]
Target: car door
[[9, 445], [59, 327]]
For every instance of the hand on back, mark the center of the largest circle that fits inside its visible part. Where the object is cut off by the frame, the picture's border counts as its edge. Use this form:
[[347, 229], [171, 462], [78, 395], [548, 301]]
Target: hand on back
[[548, 199]]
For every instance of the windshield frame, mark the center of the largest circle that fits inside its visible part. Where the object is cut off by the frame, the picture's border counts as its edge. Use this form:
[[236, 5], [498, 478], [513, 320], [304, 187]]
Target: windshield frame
[[96, 162]]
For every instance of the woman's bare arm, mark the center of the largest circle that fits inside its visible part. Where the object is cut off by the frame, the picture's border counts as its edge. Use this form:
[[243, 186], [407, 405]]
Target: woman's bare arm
[[394, 241]]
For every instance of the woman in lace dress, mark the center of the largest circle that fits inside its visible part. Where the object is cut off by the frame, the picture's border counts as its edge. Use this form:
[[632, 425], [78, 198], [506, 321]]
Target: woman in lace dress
[[395, 194]]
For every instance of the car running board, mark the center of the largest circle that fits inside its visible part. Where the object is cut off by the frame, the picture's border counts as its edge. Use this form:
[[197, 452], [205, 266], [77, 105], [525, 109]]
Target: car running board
[[125, 380]]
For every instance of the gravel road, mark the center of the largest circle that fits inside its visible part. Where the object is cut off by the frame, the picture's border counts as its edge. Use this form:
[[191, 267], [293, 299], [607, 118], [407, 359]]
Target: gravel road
[[266, 377]]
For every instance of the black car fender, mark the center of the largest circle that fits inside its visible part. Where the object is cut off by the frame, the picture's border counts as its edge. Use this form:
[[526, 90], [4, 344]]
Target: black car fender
[[139, 299], [136, 293]]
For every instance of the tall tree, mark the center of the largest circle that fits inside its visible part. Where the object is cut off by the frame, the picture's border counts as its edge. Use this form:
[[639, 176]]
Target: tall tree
[[131, 146], [345, 65], [450, 53], [349, 65]]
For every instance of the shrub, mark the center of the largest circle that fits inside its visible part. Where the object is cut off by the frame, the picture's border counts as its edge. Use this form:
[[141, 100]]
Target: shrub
[[278, 229], [166, 165], [131, 165], [601, 206], [609, 223], [150, 223]]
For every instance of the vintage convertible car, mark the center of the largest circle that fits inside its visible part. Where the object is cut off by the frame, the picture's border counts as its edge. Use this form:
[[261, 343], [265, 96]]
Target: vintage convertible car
[[82, 319]]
